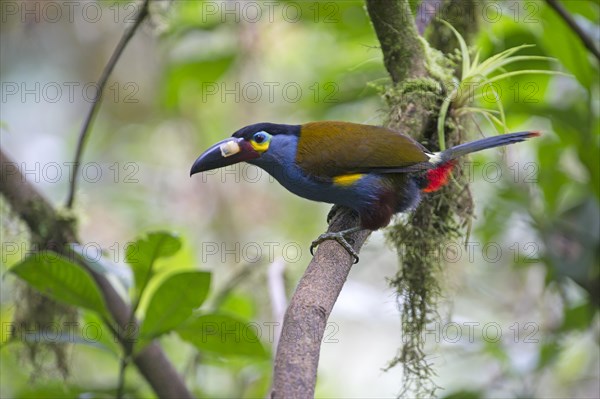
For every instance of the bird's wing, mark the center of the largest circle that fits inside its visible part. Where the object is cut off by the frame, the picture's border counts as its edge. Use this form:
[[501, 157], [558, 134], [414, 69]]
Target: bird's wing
[[330, 149]]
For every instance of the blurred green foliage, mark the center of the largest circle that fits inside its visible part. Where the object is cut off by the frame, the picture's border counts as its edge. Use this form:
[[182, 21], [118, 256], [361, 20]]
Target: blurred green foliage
[[203, 73]]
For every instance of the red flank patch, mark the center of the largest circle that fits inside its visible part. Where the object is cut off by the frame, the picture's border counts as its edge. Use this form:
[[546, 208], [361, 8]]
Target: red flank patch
[[438, 177]]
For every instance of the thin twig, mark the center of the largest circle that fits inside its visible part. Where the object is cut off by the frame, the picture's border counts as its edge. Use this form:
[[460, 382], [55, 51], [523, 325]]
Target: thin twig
[[86, 127], [585, 39]]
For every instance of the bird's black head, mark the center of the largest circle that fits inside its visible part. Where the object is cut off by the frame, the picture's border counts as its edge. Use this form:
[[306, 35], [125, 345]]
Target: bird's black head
[[248, 143], [271, 128]]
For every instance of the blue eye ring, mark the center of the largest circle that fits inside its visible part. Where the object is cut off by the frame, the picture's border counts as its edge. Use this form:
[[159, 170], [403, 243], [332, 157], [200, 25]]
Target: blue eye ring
[[261, 137]]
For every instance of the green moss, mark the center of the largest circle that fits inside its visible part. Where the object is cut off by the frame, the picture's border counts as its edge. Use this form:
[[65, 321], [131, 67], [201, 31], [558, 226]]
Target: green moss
[[419, 241], [403, 51], [420, 236], [39, 317], [34, 312], [439, 66]]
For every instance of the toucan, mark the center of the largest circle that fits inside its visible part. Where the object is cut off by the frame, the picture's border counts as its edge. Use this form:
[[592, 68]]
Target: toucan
[[373, 170]]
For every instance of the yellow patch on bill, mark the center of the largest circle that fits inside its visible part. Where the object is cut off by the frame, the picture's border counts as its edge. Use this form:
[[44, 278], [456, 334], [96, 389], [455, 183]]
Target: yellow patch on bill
[[347, 180]]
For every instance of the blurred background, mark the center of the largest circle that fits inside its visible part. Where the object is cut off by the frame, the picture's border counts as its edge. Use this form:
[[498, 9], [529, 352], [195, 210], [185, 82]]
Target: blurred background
[[519, 312]]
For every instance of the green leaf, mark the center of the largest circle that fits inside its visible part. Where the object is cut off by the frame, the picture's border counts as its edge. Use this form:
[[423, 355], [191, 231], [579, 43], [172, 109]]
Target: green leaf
[[578, 318], [57, 277], [173, 302], [464, 50], [240, 305], [464, 394], [223, 335], [192, 78], [142, 254], [92, 332], [560, 41], [524, 72], [548, 353], [496, 61]]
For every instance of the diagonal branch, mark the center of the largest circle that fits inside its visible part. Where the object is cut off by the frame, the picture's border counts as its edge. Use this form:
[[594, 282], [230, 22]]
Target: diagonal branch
[[297, 358], [89, 118], [585, 39], [53, 230]]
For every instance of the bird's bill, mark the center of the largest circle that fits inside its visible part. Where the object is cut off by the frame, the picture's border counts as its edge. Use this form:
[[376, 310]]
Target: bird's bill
[[224, 153]]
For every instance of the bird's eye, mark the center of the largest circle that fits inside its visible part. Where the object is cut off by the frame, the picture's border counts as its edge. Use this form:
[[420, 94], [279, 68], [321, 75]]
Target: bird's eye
[[259, 137], [260, 141]]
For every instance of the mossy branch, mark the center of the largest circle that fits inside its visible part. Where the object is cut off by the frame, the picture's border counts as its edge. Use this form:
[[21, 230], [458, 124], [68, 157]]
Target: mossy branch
[[403, 51], [463, 15], [414, 109], [51, 230]]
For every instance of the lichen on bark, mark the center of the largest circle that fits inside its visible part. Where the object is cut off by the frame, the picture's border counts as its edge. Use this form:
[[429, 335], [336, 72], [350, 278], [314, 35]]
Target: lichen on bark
[[420, 84], [37, 318]]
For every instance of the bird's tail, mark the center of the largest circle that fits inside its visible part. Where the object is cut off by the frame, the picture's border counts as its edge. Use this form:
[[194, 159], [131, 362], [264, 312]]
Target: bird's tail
[[443, 161], [483, 144]]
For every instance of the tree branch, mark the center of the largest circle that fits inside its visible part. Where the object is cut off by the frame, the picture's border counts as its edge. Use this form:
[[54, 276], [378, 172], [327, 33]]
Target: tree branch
[[403, 52], [585, 39], [54, 232], [305, 320], [87, 123], [463, 15]]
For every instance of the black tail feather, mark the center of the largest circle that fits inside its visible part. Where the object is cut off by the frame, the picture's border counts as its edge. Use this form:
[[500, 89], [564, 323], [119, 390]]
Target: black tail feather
[[488, 142]]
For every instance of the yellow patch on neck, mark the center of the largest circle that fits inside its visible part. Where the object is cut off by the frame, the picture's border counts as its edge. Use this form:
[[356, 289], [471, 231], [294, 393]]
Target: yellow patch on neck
[[347, 180], [262, 147]]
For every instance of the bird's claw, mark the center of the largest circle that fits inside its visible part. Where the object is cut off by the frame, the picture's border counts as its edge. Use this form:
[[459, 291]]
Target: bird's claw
[[340, 237]]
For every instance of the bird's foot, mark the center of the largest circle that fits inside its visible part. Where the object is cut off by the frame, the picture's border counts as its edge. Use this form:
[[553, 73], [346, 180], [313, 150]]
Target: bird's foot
[[341, 238]]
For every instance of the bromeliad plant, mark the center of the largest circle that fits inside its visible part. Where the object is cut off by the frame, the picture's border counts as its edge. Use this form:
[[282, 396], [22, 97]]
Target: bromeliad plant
[[475, 75], [444, 218]]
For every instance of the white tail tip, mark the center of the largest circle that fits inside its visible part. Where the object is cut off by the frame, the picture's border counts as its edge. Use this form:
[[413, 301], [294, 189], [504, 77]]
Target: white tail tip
[[435, 158]]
